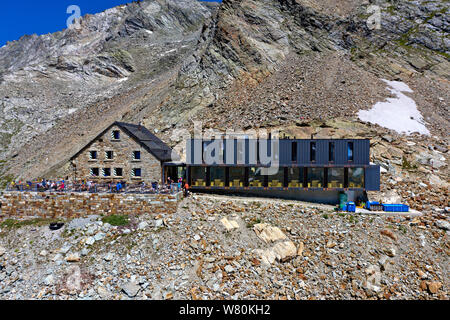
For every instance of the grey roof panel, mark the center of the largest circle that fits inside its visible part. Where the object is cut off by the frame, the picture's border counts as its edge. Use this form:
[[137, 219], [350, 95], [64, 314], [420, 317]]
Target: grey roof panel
[[155, 145]]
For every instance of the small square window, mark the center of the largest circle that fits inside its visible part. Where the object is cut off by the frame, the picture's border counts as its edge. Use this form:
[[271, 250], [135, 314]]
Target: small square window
[[93, 155], [118, 172], [136, 172], [106, 172], [136, 155], [115, 135], [94, 172], [109, 155]]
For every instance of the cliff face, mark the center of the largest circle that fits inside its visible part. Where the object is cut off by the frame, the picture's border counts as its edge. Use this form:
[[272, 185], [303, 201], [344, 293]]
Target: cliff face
[[266, 63]]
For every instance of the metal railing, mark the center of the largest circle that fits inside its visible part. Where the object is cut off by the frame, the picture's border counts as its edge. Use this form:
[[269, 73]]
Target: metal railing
[[124, 188]]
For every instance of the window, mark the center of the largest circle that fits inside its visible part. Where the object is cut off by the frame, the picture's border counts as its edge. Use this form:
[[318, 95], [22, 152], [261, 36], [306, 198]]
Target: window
[[204, 145], [350, 151], [217, 176], [312, 151], [294, 151], [94, 172], [93, 155], [255, 179], [118, 172], [237, 177], [109, 155], [356, 177], [315, 177], [136, 172], [335, 178], [257, 151], [198, 176], [331, 152], [136, 155], [115, 135], [295, 177], [276, 180], [106, 172]]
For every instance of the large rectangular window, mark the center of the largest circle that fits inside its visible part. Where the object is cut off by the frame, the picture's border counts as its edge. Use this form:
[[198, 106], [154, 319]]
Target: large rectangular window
[[94, 172], [312, 151], [294, 151], [315, 177], [276, 180], [350, 151], [331, 152], [198, 176], [356, 177], [335, 178], [295, 177], [136, 155], [217, 176], [92, 155], [237, 177], [255, 179]]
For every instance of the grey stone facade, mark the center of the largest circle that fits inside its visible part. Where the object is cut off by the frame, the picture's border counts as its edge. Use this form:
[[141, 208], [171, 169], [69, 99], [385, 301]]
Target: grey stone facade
[[86, 164]]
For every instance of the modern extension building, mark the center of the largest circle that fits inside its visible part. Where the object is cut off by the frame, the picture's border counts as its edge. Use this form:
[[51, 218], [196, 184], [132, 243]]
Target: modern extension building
[[312, 170]]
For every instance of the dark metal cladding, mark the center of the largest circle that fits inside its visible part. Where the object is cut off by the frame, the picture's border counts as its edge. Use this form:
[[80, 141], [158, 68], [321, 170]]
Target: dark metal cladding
[[361, 151], [372, 178]]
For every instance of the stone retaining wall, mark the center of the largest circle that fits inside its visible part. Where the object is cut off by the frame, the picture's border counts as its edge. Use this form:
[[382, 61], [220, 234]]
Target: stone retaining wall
[[73, 205]]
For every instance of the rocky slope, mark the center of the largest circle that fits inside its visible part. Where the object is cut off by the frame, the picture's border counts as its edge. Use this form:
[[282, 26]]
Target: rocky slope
[[196, 254], [63, 86]]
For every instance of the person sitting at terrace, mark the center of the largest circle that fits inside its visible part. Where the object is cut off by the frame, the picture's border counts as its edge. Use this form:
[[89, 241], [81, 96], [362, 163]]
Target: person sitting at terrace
[[118, 186], [61, 186]]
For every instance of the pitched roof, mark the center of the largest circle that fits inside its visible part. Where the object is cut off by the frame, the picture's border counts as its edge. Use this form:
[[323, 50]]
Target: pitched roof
[[155, 145], [142, 135]]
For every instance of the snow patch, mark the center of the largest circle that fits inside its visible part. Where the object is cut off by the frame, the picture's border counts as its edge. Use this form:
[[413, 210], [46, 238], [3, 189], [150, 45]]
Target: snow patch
[[399, 113], [122, 80], [149, 31]]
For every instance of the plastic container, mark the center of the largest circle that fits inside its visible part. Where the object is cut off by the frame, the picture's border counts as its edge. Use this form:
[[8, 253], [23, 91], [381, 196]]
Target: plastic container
[[369, 203], [351, 206], [342, 200], [395, 208]]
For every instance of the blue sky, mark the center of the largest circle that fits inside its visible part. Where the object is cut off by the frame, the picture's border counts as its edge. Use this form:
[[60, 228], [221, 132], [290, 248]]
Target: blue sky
[[21, 17]]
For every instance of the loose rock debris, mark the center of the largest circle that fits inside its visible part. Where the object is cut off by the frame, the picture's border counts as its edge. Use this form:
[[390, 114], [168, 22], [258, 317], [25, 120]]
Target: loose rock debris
[[292, 252]]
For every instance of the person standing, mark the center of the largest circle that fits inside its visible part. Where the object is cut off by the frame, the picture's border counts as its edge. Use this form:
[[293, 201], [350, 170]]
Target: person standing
[[186, 190]]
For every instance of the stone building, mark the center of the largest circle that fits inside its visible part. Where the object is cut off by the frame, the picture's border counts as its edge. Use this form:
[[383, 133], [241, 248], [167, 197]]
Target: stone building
[[122, 152]]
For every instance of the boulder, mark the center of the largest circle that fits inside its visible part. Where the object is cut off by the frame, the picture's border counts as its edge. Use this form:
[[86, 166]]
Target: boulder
[[74, 257], [131, 289], [229, 224], [443, 224], [268, 233], [282, 252]]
